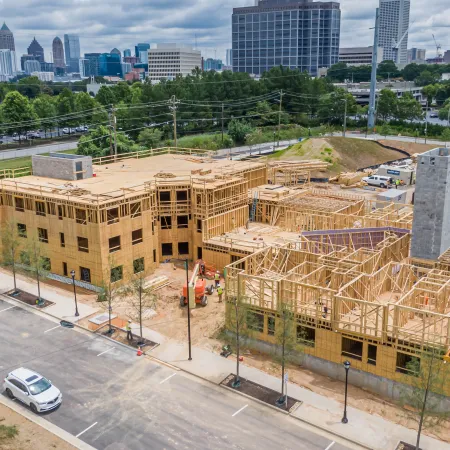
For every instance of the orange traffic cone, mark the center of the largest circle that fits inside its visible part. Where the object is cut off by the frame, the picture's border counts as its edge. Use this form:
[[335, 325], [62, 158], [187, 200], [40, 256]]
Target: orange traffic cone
[[139, 352]]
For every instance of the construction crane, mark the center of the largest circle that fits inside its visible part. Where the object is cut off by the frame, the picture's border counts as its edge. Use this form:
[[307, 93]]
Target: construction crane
[[396, 45], [438, 48]]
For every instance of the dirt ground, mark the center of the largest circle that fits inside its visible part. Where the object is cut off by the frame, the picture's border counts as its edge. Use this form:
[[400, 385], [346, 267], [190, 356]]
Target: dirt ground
[[31, 436]]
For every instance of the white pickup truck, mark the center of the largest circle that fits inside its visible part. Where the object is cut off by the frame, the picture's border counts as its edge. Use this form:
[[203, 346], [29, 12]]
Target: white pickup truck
[[378, 180]]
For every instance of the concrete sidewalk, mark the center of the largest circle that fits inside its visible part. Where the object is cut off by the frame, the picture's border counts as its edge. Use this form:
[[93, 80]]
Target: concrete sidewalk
[[64, 302], [365, 429]]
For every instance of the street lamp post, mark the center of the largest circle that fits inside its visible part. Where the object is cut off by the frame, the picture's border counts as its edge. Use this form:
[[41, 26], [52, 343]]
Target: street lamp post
[[186, 266], [347, 367], [186, 262], [72, 273]]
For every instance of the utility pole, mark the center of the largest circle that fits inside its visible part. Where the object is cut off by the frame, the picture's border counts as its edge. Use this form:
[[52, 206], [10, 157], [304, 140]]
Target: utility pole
[[174, 112], [223, 121], [373, 80], [448, 118], [345, 117], [110, 132], [279, 117], [426, 121], [115, 132]]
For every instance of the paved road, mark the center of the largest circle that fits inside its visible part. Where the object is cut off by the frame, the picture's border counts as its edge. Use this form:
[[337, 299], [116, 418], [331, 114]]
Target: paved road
[[116, 401], [37, 150]]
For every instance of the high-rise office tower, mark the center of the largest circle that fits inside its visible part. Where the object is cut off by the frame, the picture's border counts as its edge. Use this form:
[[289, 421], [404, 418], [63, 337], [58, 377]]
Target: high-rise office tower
[[294, 33], [36, 50], [58, 53], [394, 25], [142, 47], [110, 65], [8, 62], [31, 66], [91, 64], [72, 51], [6, 38], [127, 53], [116, 51], [229, 58]]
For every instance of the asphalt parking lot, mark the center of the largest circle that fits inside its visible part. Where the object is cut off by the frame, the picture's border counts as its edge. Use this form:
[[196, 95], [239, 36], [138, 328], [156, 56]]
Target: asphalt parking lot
[[114, 400]]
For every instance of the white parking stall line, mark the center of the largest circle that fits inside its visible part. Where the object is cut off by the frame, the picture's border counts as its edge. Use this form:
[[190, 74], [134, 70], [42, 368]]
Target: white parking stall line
[[168, 378], [106, 351], [6, 309], [240, 410], [54, 328], [331, 445], [87, 429]]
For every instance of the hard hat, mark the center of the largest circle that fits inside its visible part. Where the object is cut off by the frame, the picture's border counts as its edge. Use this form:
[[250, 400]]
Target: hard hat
[[217, 272], [129, 321]]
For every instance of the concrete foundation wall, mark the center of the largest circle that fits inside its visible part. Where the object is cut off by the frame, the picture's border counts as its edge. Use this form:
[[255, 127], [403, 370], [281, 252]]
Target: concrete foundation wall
[[431, 224], [62, 166]]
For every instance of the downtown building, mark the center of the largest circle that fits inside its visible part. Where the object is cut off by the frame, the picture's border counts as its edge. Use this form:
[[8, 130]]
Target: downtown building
[[8, 64], [359, 56], [72, 51], [300, 34], [35, 49], [394, 25], [58, 53], [167, 61]]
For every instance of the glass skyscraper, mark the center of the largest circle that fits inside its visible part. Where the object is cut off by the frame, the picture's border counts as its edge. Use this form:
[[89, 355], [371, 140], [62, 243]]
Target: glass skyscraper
[[294, 33], [72, 50]]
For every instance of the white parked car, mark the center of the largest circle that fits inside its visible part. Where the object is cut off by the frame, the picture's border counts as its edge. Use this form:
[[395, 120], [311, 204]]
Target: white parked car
[[32, 389], [378, 180]]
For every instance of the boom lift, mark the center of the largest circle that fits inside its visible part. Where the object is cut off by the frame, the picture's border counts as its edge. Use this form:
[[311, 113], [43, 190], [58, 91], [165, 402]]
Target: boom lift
[[197, 290]]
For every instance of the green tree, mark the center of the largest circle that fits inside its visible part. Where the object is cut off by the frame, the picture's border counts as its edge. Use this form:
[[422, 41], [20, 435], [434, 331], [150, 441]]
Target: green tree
[[430, 92], [446, 135], [17, 113], [45, 109], [238, 130], [286, 338], [338, 72], [428, 377], [408, 108], [388, 69], [150, 137], [122, 92], [139, 297], [332, 106], [30, 87], [11, 245], [110, 293], [65, 106], [411, 72], [426, 77], [106, 96], [387, 104], [38, 263]]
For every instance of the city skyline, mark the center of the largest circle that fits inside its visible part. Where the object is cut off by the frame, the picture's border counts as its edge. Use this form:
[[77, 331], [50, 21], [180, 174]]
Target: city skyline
[[183, 21]]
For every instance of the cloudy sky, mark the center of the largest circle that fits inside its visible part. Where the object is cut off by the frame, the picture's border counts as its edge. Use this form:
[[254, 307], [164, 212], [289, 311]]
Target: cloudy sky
[[104, 24]]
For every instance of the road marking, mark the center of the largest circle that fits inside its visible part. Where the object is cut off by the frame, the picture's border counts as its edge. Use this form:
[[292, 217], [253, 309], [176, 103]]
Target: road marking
[[168, 378], [331, 445], [106, 351], [237, 412], [6, 309], [54, 328], [88, 428]]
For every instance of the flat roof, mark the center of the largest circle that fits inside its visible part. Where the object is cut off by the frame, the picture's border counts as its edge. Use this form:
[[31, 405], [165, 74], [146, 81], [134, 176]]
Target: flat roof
[[129, 176]]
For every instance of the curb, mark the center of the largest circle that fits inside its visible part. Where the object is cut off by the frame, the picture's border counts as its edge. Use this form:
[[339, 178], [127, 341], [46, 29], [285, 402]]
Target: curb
[[257, 400], [48, 426]]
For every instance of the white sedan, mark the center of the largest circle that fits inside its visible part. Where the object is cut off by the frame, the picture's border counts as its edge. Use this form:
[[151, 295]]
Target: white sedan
[[32, 389]]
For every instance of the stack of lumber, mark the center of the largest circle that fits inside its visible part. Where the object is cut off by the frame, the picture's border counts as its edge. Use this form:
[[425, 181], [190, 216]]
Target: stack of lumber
[[307, 165], [348, 178], [156, 282]]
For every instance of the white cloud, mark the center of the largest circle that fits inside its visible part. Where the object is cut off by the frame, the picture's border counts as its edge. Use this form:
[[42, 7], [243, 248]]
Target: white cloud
[[122, 23]]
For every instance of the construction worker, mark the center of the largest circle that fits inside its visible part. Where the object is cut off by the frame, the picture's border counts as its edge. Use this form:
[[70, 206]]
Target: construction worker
[[217, 279], [128, 328], [220, 292], [202, 269], [397, 183]]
